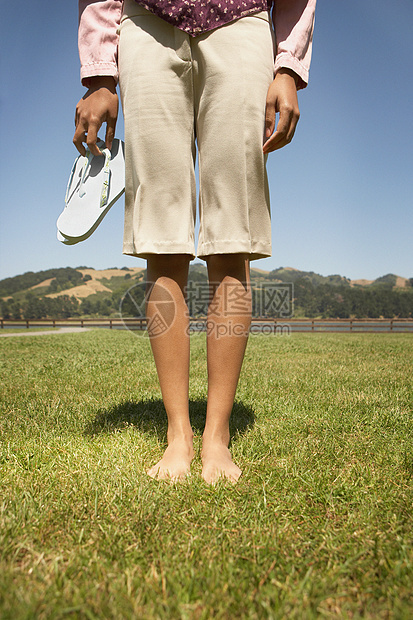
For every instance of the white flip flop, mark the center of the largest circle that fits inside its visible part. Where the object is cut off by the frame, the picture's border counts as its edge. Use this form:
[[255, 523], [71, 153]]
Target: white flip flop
[[95, 184]]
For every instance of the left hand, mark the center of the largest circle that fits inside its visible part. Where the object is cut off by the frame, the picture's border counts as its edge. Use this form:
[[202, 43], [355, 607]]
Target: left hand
[[281, 98]]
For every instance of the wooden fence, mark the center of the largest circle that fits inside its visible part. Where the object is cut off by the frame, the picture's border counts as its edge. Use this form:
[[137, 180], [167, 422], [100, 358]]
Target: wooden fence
[[277, 326]]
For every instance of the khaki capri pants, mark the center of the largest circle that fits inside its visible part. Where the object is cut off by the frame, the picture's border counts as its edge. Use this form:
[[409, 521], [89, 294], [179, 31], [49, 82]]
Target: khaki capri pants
[[210, 89]]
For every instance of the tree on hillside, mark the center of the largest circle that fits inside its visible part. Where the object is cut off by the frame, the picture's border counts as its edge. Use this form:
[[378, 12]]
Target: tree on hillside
[[64, 275]]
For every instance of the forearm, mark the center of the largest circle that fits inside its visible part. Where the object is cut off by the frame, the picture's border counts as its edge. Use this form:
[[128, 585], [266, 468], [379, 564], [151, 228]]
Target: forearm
[[98, 38], [294, 26]]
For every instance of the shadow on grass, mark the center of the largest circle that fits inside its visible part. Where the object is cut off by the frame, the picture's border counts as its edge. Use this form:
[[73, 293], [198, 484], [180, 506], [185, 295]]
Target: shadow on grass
[[149, 416]]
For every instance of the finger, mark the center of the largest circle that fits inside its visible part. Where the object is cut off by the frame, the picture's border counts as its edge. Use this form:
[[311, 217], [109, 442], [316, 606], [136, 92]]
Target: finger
[[285, 131], [77, 115], [78, 139], [269, 118], [275, 142], [91, 139], [110, 132]]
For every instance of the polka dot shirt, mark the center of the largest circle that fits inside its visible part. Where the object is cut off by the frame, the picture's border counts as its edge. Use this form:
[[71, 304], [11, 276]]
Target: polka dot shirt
[[197, 16]]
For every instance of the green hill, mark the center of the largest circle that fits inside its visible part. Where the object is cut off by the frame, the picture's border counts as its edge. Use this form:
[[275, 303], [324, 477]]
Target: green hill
[[389, 280], [84, 291], [289, 274], [66, 276]]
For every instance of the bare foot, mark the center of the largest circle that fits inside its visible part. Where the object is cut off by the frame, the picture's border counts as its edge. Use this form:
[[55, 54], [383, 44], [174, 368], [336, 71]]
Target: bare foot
[[176, 461], [217, 462]]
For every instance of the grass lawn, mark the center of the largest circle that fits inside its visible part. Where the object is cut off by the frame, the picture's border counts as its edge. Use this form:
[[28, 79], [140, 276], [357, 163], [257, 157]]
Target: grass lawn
[[319, 525]]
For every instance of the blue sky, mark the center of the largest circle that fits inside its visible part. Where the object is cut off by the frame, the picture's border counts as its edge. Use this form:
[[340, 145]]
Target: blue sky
[[341, 192]]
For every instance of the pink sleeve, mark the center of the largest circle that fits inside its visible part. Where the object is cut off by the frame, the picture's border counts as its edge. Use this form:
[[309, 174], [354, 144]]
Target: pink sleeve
[[294, 25], [98, 38]]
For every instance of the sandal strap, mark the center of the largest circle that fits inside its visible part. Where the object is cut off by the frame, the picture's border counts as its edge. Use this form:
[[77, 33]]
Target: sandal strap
[[86, 167]]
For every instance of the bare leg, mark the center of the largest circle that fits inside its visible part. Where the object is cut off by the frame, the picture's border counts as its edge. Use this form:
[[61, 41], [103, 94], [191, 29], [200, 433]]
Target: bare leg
[[168, 321], [229, 320]]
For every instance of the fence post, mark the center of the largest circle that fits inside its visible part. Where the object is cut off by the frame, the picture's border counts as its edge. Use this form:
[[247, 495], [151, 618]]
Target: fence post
[[351, 325], [27, 323], [391, 325], [312, 325]]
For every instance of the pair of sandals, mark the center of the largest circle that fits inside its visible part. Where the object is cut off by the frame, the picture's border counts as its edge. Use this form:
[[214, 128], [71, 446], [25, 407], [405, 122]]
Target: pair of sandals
[[95, 184]]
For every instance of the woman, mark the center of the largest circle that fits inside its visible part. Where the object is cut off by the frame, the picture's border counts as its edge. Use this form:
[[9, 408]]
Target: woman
[[199, 72]]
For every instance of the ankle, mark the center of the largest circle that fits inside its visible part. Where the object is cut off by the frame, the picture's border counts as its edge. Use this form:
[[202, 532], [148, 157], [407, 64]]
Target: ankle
[[184, 435], [216, 436]]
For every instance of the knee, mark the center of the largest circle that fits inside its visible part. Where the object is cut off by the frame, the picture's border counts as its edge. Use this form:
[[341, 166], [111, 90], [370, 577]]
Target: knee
[[168, 264], [168, 267], [232, 265]]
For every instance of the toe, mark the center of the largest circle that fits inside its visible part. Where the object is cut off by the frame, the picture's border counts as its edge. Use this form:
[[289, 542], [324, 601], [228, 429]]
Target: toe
[[153, 472]]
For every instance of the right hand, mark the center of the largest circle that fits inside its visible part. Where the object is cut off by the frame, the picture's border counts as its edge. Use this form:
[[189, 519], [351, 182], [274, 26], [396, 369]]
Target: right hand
[[282, 99], [99, 105]]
